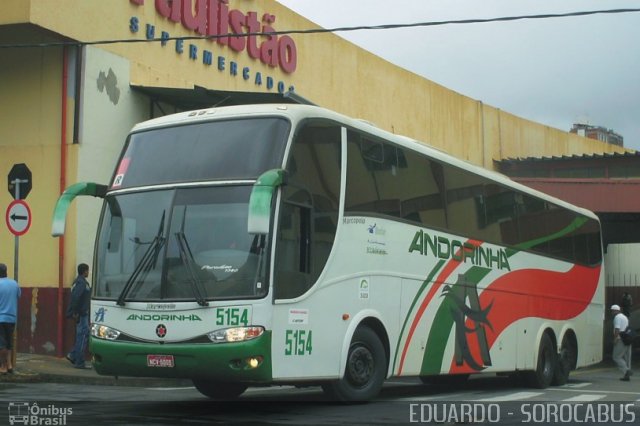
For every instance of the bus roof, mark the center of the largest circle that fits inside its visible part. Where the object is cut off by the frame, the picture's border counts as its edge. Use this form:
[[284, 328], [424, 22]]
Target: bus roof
[[297, 113]]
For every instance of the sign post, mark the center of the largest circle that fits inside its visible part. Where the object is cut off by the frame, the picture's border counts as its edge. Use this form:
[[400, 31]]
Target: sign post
[[18, 219]]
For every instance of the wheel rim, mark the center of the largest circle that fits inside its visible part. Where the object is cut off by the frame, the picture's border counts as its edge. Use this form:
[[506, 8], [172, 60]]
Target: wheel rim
[[360, 366]]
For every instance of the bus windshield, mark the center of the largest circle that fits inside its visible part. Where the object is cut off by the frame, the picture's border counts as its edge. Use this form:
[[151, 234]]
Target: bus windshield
[[179, 244], [202, 152]]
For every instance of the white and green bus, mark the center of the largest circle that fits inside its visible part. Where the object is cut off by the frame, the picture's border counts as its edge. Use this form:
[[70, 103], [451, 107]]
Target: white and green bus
[[287, 244]]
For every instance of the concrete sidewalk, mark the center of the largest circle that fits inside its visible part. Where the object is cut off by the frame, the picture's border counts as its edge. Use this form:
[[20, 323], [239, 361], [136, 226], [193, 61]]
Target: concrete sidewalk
[[32, 368]]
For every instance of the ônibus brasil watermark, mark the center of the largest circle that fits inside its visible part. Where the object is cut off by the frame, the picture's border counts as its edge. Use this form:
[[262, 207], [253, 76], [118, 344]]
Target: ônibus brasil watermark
[[31, 414]]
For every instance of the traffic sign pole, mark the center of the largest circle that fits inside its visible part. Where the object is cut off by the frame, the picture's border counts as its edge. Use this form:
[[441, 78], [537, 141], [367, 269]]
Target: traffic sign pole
[[17, 183], [16, 259], [19, 174]]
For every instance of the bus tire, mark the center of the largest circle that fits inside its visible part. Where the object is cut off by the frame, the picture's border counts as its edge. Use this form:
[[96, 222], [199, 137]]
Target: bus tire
[[567, 359], [219, 390], [547, 360], [365, 370]]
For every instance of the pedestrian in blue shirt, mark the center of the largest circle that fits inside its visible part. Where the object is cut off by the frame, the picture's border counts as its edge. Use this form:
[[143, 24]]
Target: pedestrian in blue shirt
[[9, 294], [79, 311]]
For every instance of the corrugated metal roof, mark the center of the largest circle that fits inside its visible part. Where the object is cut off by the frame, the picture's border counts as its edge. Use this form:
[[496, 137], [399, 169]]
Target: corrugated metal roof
[[628, 154], [597, 195]]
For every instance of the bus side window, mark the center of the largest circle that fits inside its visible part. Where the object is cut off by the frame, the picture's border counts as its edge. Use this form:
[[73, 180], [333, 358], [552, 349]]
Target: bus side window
[[381, 181]]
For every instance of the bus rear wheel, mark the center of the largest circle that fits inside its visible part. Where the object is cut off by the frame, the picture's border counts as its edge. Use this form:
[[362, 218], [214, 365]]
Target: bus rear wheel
[[365, 370], [567, 360], [219, 390], [542, 376]]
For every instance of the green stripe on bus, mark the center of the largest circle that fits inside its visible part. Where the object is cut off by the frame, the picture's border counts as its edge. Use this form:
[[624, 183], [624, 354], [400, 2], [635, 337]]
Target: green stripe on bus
[[417, 297], [574, 225], [443, 326]]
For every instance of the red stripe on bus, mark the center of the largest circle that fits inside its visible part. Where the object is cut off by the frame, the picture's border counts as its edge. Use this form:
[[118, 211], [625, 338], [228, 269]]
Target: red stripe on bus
[[556, 296]]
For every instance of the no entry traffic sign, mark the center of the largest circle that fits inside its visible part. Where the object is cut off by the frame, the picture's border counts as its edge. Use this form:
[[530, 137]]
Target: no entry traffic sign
[[18, 217]]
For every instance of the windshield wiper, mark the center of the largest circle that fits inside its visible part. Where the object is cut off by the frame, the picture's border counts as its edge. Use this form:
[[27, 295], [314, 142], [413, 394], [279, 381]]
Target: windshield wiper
[[187, 260], [148, 262]]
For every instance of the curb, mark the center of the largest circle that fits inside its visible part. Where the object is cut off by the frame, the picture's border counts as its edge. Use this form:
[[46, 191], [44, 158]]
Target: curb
[[35, 368], [21, 376], [27, 376], [144, 382]]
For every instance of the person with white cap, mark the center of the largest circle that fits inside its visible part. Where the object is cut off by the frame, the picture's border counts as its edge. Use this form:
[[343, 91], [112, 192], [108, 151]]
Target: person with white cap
[[621, 352]]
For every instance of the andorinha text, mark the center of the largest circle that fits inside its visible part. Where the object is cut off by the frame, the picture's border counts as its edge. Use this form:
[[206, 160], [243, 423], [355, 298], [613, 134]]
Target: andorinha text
[[444, 248], [163, 317]]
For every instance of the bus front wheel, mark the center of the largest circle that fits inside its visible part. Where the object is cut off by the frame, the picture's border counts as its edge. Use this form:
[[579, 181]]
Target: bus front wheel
[[542, 376], [365, 370], [219, 390]]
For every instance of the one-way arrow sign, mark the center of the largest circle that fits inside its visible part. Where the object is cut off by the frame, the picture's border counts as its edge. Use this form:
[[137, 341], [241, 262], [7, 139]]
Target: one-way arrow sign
[[18, 217]]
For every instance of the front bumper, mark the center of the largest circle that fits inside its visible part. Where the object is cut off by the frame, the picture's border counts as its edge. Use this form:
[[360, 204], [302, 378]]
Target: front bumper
[[225, 362]]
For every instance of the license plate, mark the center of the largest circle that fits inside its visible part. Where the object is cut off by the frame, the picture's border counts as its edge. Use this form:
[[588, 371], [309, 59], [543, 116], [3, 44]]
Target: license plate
[[160, 361]]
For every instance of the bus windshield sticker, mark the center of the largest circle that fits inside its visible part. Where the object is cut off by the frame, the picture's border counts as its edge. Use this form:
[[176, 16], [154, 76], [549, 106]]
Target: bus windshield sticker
[[122, 170]]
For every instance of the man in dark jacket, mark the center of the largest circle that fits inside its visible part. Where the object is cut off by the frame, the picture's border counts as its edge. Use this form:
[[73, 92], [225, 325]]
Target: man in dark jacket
[[79, 311]]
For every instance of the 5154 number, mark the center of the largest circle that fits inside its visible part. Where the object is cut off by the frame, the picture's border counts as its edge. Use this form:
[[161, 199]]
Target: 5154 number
[[232, 316], [298, 342]]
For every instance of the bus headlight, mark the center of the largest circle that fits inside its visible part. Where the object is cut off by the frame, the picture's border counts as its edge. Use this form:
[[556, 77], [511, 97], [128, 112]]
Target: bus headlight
[[236, 334], [104, 332]]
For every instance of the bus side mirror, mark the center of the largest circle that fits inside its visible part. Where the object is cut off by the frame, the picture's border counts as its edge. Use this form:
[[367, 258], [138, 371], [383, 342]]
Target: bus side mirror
[[261, 199], [63, 203]]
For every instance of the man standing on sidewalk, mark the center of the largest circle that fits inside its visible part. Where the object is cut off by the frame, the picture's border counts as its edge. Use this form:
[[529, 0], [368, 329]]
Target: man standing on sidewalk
[[621, 352], [9, 294], [79, 311]]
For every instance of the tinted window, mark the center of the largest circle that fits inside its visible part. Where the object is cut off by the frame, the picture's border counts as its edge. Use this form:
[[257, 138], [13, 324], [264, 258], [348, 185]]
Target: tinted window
[[465, 210], [422, 198], [385, 180], [202, 151]]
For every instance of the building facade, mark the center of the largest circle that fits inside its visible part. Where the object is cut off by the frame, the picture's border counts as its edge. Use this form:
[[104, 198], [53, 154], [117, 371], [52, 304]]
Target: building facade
[[76, 75], [598, 133]]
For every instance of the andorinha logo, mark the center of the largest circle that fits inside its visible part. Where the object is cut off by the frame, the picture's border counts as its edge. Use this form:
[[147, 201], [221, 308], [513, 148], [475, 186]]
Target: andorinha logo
[[163, 317], [26, 413], [444, 248]]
